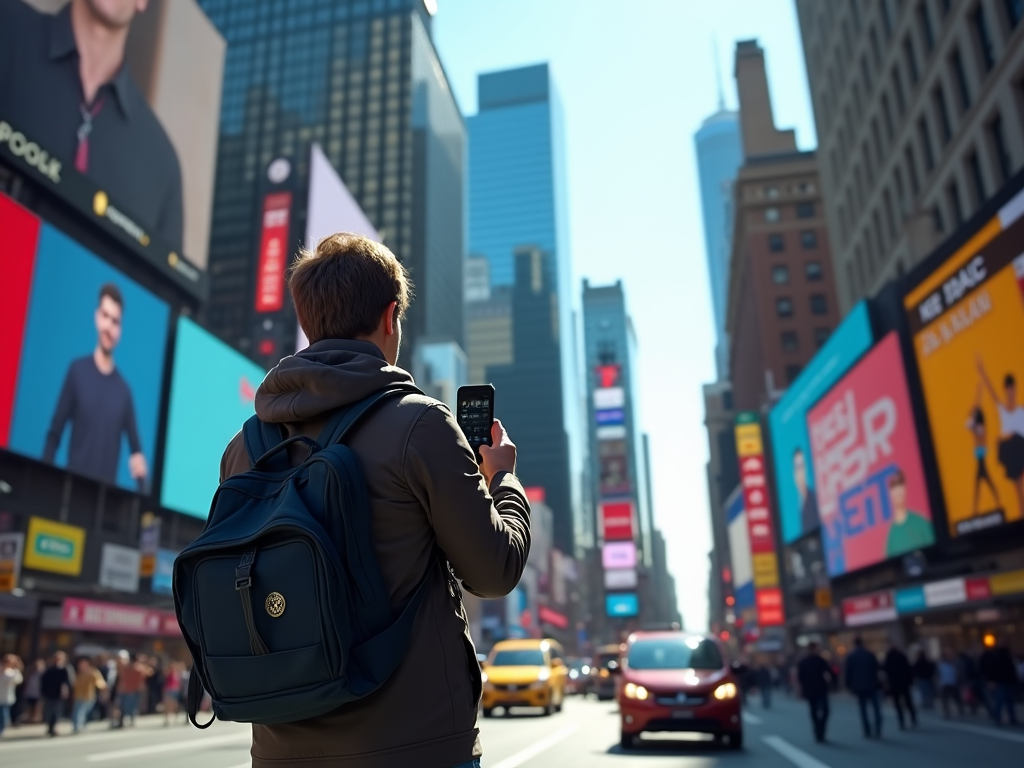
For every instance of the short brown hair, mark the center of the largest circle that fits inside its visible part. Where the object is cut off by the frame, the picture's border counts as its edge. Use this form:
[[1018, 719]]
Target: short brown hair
[[112, 292], [341, 287]]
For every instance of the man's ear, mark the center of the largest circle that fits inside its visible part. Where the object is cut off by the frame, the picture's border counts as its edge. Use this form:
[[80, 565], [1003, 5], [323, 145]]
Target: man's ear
[[391, 319]]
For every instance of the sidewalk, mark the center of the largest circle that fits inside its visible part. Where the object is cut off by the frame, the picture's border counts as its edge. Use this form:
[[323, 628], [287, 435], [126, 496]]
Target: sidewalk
[[64, 728]]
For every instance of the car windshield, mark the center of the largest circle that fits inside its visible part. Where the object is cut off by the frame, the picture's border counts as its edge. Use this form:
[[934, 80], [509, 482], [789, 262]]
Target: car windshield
[[674, 654], [525, 658]]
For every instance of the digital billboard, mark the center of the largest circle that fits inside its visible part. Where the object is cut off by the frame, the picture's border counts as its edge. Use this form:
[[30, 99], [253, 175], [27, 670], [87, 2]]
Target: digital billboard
[[613, 469], [787, 422], [872, 496], [967, 322], [739, 552], [85, 357], [618, 554], [622, 605], [617, 520], [213, 388]]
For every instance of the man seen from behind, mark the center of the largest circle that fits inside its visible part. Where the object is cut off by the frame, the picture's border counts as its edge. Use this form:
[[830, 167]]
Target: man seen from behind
[[815, 676], [427, 493], [862, 669]]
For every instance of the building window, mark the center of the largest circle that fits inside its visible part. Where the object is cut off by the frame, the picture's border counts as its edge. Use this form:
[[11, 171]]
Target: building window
[[1014, 12], [771, 192], [897, 89], [924, 23], [926, 144], [809, 239], [805, 210], [942, 114], [821, 336], [784, 307], [960, 76], [911, 159], [865, 73], [887, 114], [937, 221], [911, 58], [776, 242], [819, 304], [953, 198], [792, 373], [780, 274], [983, 37], [999, 149], [977, 180], [887, 19], [771, 215], [945, 5], [790, 342], [813, 271]]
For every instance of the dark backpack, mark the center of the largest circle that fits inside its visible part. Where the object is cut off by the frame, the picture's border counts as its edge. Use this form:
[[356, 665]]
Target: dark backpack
[[280, 599]]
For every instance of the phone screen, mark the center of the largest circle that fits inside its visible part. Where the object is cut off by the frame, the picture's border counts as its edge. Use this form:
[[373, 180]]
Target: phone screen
[[476, 414]]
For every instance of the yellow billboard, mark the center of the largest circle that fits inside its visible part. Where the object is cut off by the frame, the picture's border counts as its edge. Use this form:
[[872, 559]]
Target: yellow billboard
[[54, 547], [967, 322]]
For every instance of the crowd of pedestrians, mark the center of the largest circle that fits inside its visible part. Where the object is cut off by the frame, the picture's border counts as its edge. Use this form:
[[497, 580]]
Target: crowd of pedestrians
[[116, 688], [991, 680]]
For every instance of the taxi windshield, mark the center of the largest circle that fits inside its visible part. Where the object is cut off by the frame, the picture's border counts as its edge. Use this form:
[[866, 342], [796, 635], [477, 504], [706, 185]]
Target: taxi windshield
[[523, 658]]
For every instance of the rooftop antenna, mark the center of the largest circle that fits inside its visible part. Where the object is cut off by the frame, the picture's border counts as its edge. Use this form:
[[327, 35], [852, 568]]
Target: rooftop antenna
[[718, 74]]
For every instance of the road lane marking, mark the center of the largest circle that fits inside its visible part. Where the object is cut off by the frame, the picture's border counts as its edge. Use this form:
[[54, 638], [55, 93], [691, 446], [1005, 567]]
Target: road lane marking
[[995, 733], [176, 746], [797, 757], [751, 719], [541, 746]]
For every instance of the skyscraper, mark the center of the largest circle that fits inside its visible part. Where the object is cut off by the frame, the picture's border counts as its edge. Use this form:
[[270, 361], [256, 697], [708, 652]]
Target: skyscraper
[[363, 81], [719, 149], [519, 305]]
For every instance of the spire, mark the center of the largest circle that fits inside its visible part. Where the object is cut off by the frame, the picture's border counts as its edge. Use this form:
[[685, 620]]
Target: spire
[[718, 74]]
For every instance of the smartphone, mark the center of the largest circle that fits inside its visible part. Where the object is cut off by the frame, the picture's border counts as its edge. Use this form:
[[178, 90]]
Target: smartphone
[[475, 414]]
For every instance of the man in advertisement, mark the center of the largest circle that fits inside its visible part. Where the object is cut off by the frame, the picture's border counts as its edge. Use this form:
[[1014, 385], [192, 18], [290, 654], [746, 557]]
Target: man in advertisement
[[65, 86], [96, 399], [808, 498], [908, 530]]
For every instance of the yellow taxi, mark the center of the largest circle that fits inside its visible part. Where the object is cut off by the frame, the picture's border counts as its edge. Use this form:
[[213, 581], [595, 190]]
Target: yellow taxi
[[524, 673]]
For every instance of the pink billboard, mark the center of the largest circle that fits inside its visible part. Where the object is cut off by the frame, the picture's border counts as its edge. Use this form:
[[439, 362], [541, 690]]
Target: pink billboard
[[872, 498]]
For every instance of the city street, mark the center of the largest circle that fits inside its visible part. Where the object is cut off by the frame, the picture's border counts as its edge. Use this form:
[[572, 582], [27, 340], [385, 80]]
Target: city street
[[585, 735]]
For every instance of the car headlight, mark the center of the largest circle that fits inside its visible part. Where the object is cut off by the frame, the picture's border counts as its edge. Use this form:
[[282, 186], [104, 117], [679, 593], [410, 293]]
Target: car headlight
[[573, 674], [586, 669], [483, 676], [634, 691], [725, 691], [544, 674]]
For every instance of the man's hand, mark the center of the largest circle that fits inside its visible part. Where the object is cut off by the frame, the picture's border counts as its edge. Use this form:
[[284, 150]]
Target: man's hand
[[501, 457], [137, 466]]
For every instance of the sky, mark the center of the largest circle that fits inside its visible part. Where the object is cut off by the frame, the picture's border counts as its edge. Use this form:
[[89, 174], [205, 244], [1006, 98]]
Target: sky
[[636, 80]]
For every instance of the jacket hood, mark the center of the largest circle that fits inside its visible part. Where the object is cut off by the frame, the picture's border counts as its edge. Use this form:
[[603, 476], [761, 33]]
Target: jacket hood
[[323, 377]]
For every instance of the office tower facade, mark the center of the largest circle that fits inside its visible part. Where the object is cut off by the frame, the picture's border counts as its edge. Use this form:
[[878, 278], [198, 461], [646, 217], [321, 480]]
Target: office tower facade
[[622, 521], [719, 149], [518, 290], [920, 119], [782, 304], [364, 82]]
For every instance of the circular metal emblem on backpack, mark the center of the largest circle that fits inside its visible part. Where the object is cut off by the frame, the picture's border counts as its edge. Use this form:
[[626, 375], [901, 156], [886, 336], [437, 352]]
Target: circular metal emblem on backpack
[[275, 604]]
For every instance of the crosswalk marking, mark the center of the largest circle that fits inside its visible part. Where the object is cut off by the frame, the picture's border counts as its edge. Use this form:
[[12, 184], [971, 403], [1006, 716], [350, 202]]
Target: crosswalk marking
[[541, 746], [796, 756], [176, 746]]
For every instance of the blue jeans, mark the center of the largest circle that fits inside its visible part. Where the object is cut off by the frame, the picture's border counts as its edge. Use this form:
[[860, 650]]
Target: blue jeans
[[129, 706], [5, 716], [874, 699], [470, 764], [1002, 698], [80, 713]]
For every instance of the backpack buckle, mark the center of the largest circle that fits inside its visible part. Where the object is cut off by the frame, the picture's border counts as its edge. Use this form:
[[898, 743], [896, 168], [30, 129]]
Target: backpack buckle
[[243, 583]]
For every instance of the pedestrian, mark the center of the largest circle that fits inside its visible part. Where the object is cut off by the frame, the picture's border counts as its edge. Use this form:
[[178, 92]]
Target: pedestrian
[[172, 692], [1000, 675], [427, 491], [742, 673], [924, 675], [154, 684], [33, 697], [55, 686], [900, 678], [10, 678], [862, 670], [974, 684], [950, 680], [183, 678], [88, 682], [815, 676], [131, 681], [764, 682]]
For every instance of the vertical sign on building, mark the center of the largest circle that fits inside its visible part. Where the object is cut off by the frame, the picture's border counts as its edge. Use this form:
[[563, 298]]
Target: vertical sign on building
[[273, 252], [754, 481]]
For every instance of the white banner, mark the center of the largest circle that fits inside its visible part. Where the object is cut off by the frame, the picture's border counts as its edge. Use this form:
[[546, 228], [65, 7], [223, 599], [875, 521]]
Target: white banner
[[119, 568]]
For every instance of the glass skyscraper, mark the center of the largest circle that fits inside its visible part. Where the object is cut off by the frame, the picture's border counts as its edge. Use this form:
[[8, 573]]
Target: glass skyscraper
[[520, 321], [360, 78], [719, 146]]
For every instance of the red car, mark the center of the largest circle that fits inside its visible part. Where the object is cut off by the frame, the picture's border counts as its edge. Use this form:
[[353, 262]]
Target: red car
[[675, 681]]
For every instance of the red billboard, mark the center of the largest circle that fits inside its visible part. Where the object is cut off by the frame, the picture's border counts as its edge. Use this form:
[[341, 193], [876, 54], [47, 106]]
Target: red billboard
[[870, 480], [273, 251], [617, 520]]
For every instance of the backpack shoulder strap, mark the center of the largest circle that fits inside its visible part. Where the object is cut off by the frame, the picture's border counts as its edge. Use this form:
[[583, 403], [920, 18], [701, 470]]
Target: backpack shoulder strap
[[259, 437], [344, 419]]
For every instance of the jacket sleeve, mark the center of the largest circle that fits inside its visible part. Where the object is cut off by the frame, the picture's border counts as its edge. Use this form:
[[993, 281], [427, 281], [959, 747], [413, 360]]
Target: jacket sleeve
[[484, 534]]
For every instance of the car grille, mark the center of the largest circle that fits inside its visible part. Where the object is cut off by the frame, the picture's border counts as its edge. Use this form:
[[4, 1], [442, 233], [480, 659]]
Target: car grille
[[680, 700], [515, 688]]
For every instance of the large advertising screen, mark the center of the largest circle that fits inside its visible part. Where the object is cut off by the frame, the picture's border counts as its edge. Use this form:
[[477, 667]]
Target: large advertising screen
[[787, 422], [967, 321], [85, 357], [213, 389], [872, 496], [739, 554]]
